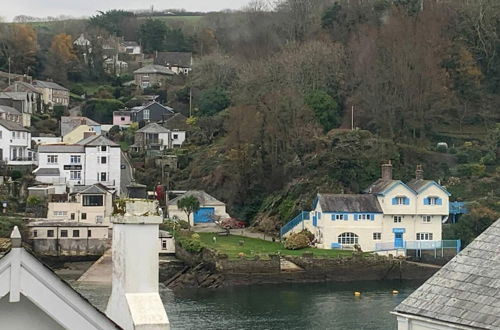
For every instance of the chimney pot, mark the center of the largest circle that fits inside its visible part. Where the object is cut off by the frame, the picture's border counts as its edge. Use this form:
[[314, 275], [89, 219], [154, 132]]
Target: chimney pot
[[387, 171], [419, 173]]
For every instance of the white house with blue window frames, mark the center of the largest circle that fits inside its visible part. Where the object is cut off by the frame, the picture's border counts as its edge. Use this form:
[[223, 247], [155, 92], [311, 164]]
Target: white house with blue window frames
[[390, 215]]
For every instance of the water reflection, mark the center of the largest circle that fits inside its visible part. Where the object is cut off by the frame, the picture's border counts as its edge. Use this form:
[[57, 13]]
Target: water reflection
[[285, 306]]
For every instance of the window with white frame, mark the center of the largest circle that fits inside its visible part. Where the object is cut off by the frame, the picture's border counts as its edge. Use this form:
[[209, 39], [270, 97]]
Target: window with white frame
[[364, 217], [432, 200], [348, 238], [146, 114], [75, 175], [60, 213], [51, 159], [104, 148], [401, 200], [75, 159], [426, 218], [339, 217], [424, 236], [398, 218], [377, 236]]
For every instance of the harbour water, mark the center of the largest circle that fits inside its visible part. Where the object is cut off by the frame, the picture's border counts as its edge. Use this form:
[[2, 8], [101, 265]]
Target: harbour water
[[285, 306]]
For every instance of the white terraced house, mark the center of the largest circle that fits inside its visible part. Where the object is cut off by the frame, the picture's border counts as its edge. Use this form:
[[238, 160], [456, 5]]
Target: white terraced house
[[389, 216], [15, 144], [95, 159]]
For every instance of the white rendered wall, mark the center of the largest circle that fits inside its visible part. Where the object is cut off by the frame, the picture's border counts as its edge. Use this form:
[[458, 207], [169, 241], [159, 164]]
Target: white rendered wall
[[24, 315]]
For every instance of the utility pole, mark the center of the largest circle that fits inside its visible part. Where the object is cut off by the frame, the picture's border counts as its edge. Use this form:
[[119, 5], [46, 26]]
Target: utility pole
[[9, 69], [190, 102], [352, 118]]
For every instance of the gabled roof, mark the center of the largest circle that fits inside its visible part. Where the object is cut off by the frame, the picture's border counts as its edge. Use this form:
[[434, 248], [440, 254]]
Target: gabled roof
[[12, 126], [21, 86], [466, 291], [130, 44], [121, 113], [11, 110], [23, 276], [420, 185], [146, 106], [381, 187], [49, 84], [201, 196], [153, 128], [177, 122], [93, 189], [155, 69], [96, 141], [70, 123], [18, 96], [349, 203], [181, 59]]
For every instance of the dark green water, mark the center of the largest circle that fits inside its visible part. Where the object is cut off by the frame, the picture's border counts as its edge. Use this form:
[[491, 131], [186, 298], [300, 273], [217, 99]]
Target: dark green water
[[285, 306]]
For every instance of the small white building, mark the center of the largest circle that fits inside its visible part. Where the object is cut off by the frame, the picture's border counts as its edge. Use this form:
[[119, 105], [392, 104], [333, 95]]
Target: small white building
[[15, 144], [86, 204], [68, 238], [130, 48], [389, 216], [33, 297], [464, 294], [210, 209], [95, 159], [153, 136], [167, 242]]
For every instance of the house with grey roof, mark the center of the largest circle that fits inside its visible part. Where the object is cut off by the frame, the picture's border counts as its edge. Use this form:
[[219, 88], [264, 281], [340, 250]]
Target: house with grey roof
[[151, 112], [178, 62], [69, 123], [154, 136], [389, 217], [24, 102], [95, 159], [15, 144], [10, 114], [152, 75], [52, 93], [464, 294], [210, 209]]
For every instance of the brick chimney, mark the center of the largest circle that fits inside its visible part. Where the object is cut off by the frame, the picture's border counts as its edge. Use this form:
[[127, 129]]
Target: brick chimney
[[419, 173], [135, 302], [387, 171]]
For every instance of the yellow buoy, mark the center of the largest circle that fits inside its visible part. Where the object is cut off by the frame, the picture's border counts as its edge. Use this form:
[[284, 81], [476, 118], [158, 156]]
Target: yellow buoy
[[357, 293], [395, 292]]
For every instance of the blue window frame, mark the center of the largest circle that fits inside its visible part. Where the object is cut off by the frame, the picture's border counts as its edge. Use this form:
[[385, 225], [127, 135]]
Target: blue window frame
[[400, 200], [432, 200]]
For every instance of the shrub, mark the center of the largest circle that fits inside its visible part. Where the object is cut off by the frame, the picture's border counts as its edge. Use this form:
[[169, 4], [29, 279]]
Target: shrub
[[196, 236], [296, 241], [469, 170], [189, 244], [308, 234]]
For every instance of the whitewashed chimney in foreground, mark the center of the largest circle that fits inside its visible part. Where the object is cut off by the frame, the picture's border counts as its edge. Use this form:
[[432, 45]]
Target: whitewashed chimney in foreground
[[135, 302]]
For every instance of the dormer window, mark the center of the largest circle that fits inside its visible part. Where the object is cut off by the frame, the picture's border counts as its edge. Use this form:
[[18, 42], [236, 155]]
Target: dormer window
[[432, 200], [400, 200]]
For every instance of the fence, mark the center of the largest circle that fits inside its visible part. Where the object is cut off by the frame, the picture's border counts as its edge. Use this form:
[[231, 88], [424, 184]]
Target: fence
[[421, 245], [304, 215]]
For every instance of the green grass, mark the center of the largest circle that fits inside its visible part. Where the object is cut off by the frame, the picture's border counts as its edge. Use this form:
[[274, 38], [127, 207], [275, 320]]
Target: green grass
[[230, 245]]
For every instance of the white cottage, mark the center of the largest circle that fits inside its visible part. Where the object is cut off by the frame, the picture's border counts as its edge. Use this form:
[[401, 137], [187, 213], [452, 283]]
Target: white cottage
[[210, 209], [33, 297], [389, 216]]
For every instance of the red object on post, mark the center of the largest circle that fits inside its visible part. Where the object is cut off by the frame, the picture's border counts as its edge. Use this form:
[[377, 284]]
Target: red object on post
[[160, 193]]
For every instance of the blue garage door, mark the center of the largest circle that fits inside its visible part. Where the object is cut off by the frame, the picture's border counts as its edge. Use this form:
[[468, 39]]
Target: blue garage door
[[204, 215]]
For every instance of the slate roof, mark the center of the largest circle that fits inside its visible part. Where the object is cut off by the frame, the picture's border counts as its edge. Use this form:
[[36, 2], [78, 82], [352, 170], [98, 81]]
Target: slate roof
[[46, 171], [142, 107], [130, 43], [93, 189], [70, 123], [466, 291], [121, 113], [49, 84], [12, 126], [153, 128], [21, 86], [18, 96], [176, 122], [7, 109], [203, 198], [349, 203], [97, 140], [151, 69], [62, 223], [56, 148], [380, 186], [180, 59]]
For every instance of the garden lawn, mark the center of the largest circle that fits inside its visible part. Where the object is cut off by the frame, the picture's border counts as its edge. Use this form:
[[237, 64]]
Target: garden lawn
[[230, 245]]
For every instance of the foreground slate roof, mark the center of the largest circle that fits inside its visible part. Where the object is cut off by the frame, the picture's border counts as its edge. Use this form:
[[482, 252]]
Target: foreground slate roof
[[380, 186], [466, 291], [12, 126], [349, 203]]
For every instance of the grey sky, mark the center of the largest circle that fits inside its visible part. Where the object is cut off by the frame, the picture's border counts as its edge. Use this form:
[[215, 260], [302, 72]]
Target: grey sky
[[79, 8]]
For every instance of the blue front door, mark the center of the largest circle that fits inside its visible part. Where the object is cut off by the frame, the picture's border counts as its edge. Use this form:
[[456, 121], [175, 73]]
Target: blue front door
[[204, 215], [398, 240]]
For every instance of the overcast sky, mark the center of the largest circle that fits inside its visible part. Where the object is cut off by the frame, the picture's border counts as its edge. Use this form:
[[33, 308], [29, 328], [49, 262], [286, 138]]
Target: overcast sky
[[79, 8]]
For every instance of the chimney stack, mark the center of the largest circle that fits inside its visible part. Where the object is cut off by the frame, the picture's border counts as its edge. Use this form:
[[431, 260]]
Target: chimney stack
[[387, 171], [135, 302], [419, 173]]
